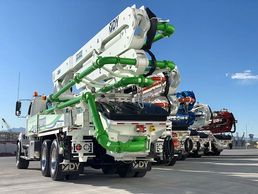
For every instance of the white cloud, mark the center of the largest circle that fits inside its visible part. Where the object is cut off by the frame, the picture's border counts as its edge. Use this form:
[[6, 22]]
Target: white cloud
[[246, 75]]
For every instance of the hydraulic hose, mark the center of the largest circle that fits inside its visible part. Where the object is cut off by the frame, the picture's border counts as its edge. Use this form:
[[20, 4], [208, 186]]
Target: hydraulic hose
[[100, 62], [164, 29], [138, 80], [137, 144]]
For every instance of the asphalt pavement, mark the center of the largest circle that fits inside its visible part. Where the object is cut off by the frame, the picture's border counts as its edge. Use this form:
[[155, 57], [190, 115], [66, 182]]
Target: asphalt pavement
[[235, 171]]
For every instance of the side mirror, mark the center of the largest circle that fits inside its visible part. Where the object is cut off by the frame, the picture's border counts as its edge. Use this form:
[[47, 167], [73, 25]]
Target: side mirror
[[18, 108]]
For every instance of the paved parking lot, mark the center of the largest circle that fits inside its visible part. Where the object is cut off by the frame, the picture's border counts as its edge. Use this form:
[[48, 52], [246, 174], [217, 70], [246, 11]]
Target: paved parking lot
[[235, 171]]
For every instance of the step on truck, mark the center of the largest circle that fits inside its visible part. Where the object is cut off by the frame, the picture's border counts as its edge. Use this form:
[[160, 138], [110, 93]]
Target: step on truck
[[96, 116]]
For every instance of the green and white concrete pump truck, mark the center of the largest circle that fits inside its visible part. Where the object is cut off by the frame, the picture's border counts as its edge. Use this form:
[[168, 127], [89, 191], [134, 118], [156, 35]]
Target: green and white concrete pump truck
[[96, 115]]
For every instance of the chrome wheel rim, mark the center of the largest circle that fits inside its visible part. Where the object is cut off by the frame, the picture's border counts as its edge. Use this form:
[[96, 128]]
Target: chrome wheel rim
[[18, 153], [53, 160], [43, 159]]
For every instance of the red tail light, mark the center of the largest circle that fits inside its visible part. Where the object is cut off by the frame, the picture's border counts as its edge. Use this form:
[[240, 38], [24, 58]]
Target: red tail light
[[78, 147], [176, 143], [140, 128]]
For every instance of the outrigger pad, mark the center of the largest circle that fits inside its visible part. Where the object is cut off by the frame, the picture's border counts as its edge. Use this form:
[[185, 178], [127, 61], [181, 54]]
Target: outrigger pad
[[128, 111]]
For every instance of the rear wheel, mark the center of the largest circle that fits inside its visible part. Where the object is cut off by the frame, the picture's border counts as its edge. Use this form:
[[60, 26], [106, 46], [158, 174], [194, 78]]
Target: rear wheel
[[188, 144], [126, 170], [140, 174], [215, 151], [109, 169], [72, 176], [21, 163], [182, 157], [45, 158], [169, 152], [172, 161], [196, 152], [55, 160]]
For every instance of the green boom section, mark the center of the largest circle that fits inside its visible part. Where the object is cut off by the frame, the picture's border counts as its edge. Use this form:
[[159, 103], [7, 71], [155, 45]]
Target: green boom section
[[62, 105], [138, 80], [165, 64], [100, 62]]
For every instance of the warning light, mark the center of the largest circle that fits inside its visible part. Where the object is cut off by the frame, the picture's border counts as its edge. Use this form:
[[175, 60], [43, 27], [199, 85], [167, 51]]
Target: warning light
[[140, 128], [78, 147], [35, 94], [152, 128]]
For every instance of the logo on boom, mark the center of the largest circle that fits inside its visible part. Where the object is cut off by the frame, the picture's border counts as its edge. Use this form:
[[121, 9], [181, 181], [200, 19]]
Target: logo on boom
[[113, 24]]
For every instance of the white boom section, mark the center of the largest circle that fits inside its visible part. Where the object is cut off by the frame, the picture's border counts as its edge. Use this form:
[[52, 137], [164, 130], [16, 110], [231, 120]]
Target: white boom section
[[153, 94], [124, 36], [203, 116]]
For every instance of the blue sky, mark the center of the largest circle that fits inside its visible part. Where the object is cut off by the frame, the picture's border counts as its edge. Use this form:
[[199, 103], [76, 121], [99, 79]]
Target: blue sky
[[215, 47]]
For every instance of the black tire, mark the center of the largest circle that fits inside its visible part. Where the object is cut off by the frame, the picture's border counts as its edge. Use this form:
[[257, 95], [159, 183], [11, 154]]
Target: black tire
[[188, 144], [20, 162], [55, 160], [198, 146], [183, 157], [230, 145], [140, 173], [109, 169], [196, 154], [125, 170], [45, 158], [206, 151], [217, 153], [179, 155], [172, 161], [72, 176], [169, 152]]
